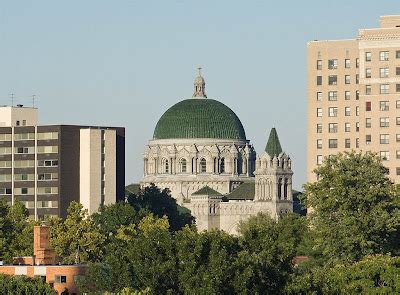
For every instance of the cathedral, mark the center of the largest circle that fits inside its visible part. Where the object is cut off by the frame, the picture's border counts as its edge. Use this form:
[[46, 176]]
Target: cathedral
[[199, 151]]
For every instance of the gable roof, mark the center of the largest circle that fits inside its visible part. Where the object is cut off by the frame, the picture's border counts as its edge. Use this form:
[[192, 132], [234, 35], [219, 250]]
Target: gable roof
[[206, 190], [245, 191]]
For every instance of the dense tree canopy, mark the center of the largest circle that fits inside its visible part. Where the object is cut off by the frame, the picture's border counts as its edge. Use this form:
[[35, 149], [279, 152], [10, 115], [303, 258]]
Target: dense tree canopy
[[356, 209], [24, 286]]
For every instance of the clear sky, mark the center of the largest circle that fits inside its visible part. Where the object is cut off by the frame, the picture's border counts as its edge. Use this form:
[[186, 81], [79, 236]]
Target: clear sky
[[123, 63]]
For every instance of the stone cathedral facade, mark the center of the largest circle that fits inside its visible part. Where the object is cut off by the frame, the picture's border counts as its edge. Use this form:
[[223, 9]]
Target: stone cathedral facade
[[199, 151]]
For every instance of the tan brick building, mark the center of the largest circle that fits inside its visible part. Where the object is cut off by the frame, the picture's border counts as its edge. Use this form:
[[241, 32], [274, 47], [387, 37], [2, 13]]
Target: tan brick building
[[354, 96]]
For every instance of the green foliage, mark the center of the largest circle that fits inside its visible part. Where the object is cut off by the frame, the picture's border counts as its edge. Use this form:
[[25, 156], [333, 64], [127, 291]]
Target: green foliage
[[160, 203], [372, 275], [16, 231], [356, 210], [77, 239], [206, 261], [22, 285]]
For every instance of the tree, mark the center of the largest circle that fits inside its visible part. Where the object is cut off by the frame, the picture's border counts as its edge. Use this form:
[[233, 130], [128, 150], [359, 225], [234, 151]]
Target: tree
[[77, 239], [24, 285], [268, 248], [160, 203], [372, 275], [206, 261], [356, 210]]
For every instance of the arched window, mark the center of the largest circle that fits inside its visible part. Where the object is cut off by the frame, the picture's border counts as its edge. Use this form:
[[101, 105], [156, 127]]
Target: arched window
[[285, 191], [165, 165], [203, 165], [222, 165], [280, 188], [183, 165]]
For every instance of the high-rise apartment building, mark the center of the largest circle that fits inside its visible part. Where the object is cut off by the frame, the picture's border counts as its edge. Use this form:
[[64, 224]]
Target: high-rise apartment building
[[354, 96], [47, 167]]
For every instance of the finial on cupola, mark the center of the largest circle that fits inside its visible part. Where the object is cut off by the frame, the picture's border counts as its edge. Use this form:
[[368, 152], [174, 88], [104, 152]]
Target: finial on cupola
[[199, 86]]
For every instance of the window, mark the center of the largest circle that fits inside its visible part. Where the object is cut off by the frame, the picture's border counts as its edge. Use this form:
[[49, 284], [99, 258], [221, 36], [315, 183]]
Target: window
[[183, 165], [397, 120], [165, 165], [5, 150], [47, 176], [332, 112], [24, 136], [319, 96], [5, 191], [347, 143], [48, 163], [203, 165], [347, 79], [24, 190], [47, 149], [17, 123], [332, 64], [368, 106], [346, 127], [397, 170], [47, 135], [60, 279], [5, 137], [384, 55], [367, 122], [319, 143], [319, 159], [357, 143], [397, 137], [397, 87], [332, 143], [397, 71], [398, 54], [368, 56], [397, 104], [357, 110], [319, 112], [357, 62], [319, 80], [367, 73], [384, 155], [384, 138], [347, 95], [24, 163], [357, 79], [347, 63], [23, 122], [384, 72], [333, 127], [357, 95], [397, 154], [384, 88], [5, 177], [384, 122], [368, 139], [25, 150], [319, 64], [222, 165], [332, 95], [384, 105], [357, 126], [368, 89], [319, 128], [47, 190], [332, 80], [347, 111]]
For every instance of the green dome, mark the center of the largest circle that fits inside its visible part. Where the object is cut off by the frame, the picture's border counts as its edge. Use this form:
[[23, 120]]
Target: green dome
[[199, 118]]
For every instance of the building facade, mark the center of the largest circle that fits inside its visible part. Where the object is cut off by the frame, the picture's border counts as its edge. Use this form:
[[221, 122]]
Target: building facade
[[47, 167], [354, 96], [199, 151]]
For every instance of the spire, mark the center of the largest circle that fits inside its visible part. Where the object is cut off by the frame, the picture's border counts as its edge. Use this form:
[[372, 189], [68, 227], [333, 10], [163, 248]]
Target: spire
[[273, 147], [199, 86]]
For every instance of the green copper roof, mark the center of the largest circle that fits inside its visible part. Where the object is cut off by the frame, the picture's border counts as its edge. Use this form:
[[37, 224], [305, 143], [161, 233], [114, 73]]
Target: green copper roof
[[199, 118], [273, 147], [245, 191], [208, 191]]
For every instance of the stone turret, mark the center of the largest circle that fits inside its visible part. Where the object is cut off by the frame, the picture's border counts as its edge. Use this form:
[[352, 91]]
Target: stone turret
[[273, 181]]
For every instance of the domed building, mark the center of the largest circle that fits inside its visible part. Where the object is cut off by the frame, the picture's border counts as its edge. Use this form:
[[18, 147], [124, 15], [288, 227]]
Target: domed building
[[199, 151]]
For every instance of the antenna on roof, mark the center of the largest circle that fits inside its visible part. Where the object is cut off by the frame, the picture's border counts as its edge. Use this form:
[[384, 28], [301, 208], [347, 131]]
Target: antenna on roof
[[12, 98], [33, 100]]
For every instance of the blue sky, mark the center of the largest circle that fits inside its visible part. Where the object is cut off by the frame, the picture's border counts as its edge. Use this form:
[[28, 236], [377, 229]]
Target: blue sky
[[123, 63]]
